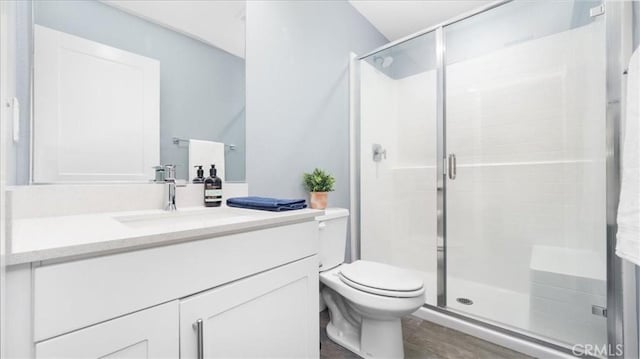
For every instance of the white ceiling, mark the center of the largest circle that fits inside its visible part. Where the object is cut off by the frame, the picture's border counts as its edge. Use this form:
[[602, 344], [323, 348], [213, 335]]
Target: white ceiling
[[219, 23], [398, 18]]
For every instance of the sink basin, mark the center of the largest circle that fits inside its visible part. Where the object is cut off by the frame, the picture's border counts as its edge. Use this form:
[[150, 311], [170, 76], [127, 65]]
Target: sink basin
[[180, 217]]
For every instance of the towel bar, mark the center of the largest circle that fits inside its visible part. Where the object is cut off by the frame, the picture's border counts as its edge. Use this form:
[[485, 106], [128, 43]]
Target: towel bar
[[177, 140]]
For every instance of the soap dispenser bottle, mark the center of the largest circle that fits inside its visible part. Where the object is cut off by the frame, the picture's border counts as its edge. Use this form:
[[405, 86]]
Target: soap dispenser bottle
[[213, 189], [200, 175]]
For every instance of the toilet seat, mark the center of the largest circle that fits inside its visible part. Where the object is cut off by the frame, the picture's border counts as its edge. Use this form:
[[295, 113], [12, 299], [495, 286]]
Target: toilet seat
[[382, 292], [381, 279]]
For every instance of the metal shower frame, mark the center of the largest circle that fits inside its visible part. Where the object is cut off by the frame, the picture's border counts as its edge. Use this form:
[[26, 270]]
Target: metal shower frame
[[617, 30]]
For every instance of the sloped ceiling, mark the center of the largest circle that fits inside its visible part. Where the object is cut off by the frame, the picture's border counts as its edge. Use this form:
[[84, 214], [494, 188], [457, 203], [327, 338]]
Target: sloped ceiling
[[220, 23]]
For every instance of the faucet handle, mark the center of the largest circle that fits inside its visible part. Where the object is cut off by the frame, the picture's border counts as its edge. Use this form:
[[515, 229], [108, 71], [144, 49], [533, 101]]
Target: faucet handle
[[170, 172], [159, 174]]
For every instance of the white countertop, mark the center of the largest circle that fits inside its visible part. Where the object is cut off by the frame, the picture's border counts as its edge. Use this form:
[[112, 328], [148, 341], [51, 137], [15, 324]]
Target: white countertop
[[66, 237]]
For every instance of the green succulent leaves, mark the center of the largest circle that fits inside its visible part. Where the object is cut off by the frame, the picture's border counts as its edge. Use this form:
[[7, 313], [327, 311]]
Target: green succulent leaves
[[318, 181]]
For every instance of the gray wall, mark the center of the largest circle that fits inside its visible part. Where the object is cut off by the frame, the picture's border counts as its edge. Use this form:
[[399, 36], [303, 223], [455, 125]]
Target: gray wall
[[298, 92], [201, 87]]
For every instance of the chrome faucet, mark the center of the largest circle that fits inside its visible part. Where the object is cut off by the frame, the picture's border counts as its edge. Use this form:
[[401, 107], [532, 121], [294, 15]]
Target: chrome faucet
[[170, 179]]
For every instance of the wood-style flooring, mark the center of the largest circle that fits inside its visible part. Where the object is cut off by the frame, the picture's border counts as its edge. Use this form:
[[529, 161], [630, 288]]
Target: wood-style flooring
[[423, 339]]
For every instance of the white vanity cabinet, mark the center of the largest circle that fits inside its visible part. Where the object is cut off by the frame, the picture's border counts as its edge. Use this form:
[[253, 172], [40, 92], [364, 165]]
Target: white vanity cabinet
[[266, 315], [149, 333], [256, 292]]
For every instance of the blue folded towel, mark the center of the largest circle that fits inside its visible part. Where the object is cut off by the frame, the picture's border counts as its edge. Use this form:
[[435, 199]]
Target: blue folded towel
[[267, 204]]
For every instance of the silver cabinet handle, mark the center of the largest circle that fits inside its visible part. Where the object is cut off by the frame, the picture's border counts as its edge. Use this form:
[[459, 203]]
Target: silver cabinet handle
[[452, 166], [199, 327]]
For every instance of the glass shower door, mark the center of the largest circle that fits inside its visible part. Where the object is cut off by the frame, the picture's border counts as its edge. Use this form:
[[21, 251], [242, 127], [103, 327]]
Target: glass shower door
[[525, 138], [398, 158]]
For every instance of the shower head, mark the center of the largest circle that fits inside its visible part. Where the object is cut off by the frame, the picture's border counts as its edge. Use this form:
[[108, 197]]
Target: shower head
[[383, 61]]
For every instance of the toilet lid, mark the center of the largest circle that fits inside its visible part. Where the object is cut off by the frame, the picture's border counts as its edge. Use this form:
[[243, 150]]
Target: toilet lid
[[378, 278]]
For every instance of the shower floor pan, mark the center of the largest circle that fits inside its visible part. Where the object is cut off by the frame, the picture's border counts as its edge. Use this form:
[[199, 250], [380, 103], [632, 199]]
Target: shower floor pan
[[564, 285]]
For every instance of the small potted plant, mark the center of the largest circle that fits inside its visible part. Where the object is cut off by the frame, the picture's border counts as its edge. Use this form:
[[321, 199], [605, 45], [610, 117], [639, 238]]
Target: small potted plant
[[318, 183]]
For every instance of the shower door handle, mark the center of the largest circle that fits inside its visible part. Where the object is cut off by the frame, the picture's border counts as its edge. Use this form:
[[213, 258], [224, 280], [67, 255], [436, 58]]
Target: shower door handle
[[452, 166]]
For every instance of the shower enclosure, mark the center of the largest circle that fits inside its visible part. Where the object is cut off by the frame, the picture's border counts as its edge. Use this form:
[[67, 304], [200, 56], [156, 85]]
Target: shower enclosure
[[485, 166]]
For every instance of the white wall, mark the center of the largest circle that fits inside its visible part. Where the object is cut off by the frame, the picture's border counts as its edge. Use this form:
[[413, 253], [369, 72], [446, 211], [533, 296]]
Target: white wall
[[398, 195], [527, 126]]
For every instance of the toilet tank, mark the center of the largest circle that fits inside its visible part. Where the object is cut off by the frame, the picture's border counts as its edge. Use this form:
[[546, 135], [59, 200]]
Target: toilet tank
[[333, 237]]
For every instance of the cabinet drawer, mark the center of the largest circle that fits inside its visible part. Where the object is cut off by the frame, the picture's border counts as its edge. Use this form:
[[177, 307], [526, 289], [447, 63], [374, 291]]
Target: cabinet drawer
[[73, 295], [150, 333]]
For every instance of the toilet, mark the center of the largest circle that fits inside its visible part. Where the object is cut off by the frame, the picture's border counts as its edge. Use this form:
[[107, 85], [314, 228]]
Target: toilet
[[365, 299]]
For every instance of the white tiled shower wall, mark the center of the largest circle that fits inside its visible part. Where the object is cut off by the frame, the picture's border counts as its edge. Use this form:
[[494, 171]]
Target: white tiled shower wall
[[398, 209], [527, 126]]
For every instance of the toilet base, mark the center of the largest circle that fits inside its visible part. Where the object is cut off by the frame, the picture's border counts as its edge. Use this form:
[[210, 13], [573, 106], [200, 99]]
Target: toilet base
[[348, 340], [380, 341], [366, 337]]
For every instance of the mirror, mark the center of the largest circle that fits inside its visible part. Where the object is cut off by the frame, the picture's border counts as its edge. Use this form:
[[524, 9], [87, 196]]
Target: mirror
[[119, 86]]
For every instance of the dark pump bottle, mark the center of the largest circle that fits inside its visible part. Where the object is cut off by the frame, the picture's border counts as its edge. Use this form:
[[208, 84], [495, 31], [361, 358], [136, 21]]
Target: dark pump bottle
[[200, 175], [213, 189]]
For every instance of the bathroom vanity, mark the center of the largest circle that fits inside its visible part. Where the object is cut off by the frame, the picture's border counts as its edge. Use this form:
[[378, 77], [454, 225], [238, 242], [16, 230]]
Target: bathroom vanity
[[197, 283]]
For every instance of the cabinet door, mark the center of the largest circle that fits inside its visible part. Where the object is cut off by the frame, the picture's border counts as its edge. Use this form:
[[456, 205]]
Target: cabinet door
[[150, 333], [273, 314]]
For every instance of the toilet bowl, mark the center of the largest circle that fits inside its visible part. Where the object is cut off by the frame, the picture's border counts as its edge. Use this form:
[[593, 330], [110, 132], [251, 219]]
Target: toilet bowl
[[366, 300]]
